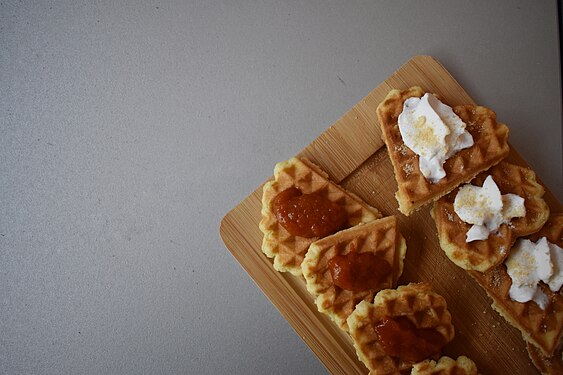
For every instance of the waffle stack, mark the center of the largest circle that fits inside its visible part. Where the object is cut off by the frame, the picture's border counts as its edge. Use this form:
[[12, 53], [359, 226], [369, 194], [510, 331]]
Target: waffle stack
[[414, 190], [417, 302], [482, 255], [379, 237], [286, 249], [352, 310], [362, 312], [541, 328]]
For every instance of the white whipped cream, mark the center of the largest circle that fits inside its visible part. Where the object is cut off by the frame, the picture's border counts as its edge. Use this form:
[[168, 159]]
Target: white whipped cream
[[486, 208], [528, 264], [434, 132]]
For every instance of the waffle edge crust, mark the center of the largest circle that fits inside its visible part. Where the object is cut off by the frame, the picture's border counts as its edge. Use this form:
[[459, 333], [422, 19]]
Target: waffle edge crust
[[546, 365], [445, 366], [287, 250], [416, 301], [380, 237], [414, 191]]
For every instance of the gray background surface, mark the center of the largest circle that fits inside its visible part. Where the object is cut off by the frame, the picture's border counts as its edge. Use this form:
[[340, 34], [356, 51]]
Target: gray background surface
[[129, 129]]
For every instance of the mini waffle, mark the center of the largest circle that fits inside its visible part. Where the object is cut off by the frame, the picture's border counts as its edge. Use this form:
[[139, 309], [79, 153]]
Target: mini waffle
[[446, 366], [417, 302], [482, 255], [288, 250], [380, 237], [490, 147], [542, 328]]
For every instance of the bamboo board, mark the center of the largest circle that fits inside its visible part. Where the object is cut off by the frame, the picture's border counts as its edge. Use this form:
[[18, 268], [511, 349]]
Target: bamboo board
[[352, 153]]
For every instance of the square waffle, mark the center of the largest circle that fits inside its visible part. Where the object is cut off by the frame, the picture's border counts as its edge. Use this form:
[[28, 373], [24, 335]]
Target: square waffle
[[379, 237], [490, 146], [445, 366], [288, 250], [483, 254], [423, 307], [542, 328]]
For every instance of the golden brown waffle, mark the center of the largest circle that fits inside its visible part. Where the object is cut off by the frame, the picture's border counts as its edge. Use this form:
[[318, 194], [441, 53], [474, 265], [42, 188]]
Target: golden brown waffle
[[543, 328], [546, 365], [288, 250], [490, 146], [380, 237], [482, 255], [446, 366], [417, 302]]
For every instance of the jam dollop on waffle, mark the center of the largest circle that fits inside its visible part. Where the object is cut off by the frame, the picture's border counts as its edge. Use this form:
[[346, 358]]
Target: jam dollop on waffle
[[424, 308], [379, 238], [288, 250]]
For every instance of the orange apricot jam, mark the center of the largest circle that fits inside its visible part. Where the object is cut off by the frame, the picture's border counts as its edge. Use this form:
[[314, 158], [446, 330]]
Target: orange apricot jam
[[400, 338], [358, 272], [308, 215]]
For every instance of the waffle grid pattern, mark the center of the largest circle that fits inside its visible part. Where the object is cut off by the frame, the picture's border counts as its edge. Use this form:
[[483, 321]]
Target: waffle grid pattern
[[418, 302], [485, 254], [542, 328], [414, 191], [379, 237], [446, 366], [288, 250]]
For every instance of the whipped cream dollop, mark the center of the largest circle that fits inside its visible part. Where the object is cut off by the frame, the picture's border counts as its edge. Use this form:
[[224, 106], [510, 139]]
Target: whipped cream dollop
[[486, 208], [434, 132], [528, 264]]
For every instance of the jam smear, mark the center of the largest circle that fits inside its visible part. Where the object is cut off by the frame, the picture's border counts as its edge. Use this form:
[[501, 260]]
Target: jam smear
[[358, 272], [400, 338], [308, 215]]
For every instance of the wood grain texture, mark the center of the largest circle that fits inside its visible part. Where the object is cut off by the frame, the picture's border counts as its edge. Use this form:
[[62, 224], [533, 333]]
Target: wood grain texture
[[352, 153]]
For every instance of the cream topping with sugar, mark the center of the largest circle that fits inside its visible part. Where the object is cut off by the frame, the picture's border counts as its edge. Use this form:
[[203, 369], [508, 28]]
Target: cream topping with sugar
[[528, 264], [434, 132], [486, 208]]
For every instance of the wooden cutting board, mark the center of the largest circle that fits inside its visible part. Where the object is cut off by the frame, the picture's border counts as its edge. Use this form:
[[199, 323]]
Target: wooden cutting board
[[352, 153]]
